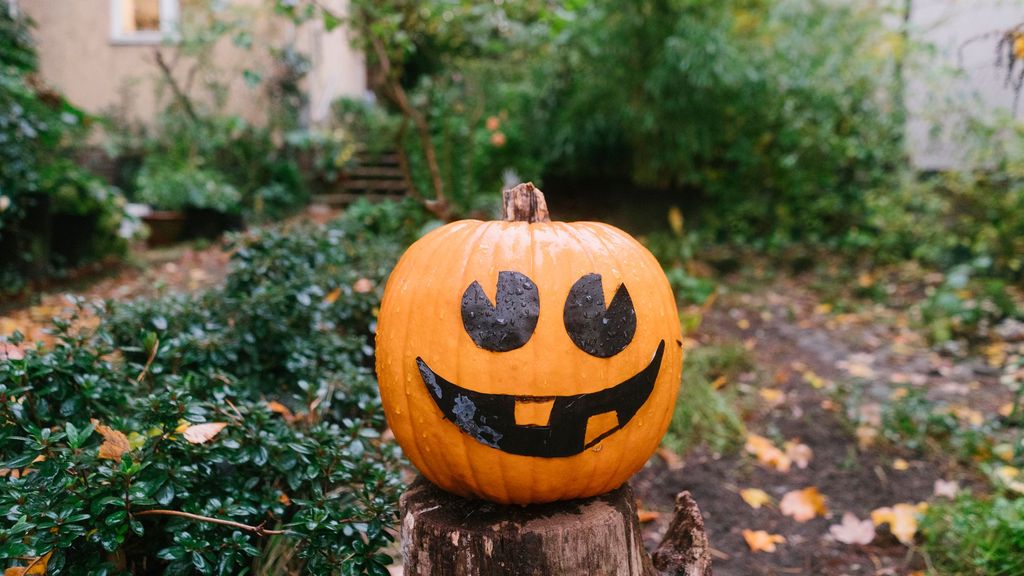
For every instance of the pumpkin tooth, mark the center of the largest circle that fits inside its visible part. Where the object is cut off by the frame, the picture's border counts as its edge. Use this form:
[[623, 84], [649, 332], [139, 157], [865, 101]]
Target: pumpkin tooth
[[534, 412]]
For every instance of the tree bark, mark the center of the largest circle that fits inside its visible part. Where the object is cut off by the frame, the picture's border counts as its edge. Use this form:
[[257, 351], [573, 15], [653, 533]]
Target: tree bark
[[445, 535]]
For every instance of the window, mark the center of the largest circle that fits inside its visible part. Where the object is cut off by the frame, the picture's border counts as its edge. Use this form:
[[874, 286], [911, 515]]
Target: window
[[142, 21]]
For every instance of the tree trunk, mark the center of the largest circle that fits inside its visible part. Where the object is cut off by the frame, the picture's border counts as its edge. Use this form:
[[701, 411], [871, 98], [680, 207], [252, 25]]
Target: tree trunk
[[445, 535]]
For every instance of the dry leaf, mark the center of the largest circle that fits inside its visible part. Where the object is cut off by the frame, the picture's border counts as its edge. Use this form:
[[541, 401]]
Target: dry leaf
[[9, 351], [773, 396], [853, 530], [761, 541], [35, 566], [813, 379], [803, 505], [767, 453], [719, 383], [284, 499], [799, 454], [1009, 476], [946, 488], [332, 296], [901, 518], [1004, 452], [672, 460], [755, 497], [899, 464], [278, 408], [363, 285], [200, 433], [743, 324], [866, 436], [115, 443], [647, 515]]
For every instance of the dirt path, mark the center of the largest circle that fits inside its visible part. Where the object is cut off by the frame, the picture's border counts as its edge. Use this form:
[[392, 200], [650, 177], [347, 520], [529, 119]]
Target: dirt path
[[871, 354]]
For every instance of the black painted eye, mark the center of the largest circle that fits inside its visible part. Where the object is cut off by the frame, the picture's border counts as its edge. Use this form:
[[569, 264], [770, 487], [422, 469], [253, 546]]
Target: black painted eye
[[510, 321], [599, 331]]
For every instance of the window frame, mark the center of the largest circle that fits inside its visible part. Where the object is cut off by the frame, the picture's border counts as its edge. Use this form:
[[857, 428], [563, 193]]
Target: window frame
[[169, 12]]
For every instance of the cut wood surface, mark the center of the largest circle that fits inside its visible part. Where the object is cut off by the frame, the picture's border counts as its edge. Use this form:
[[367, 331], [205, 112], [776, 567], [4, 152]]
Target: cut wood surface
[[445, 535]]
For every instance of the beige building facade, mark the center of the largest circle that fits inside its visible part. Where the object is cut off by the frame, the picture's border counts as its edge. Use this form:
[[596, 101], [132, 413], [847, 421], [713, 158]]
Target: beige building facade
[[102, 54]]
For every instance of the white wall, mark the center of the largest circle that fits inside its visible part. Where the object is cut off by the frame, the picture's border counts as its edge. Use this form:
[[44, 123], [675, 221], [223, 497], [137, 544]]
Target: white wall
[[931, 95]]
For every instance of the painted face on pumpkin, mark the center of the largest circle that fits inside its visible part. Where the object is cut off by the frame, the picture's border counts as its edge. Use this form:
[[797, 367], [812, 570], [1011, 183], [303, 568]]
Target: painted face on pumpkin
[[574, 422]]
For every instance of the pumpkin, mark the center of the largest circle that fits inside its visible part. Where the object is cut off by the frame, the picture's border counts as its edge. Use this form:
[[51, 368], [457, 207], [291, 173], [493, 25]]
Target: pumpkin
[[526, 361]]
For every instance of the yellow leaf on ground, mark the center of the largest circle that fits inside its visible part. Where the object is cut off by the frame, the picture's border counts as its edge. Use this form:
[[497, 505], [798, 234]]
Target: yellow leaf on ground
[[799, 454], [1006, 409], [866, 436], [761, 541], [332, 296], [755, 497], [200, 433], [899, 464], [1004, 451], [114, 444], [773, 396], [813, 379], [647, 515], [901, 518], [719, 383], [767, 453], [803, 505], [853, 530], [1009, 476]]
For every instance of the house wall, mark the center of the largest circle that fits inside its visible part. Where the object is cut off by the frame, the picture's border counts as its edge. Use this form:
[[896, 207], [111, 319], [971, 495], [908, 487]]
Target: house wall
[[78, 57], [962, 75]]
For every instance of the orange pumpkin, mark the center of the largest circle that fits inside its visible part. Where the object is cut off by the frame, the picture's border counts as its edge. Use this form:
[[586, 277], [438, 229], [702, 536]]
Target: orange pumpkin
[[526, 360]]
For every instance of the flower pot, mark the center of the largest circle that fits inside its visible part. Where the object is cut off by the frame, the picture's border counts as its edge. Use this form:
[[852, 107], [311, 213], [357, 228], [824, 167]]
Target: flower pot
[[165, 227], [209, 224]]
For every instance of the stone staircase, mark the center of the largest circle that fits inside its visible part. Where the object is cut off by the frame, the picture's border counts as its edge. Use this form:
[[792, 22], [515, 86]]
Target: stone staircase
[[374, 177]]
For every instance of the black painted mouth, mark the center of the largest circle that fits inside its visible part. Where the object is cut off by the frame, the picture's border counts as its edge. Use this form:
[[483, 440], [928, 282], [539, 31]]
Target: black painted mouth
[[490, 418]]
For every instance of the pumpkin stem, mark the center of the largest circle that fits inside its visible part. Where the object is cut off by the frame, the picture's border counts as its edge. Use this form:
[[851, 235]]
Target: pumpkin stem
[[524, 203]]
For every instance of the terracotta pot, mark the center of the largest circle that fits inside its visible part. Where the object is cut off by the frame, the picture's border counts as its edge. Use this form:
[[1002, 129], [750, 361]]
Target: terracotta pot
[[165, 227]]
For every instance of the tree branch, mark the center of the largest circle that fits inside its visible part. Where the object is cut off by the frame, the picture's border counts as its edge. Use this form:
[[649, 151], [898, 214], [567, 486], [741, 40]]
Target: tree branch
[[179, 95], [439, 205], [257, 530]]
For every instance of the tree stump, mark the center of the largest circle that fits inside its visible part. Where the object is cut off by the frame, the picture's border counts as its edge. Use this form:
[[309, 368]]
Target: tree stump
[[445, 535]]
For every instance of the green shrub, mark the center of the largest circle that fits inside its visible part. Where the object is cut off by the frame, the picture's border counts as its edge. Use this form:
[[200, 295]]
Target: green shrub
[[975, 536], [38, 132], [170, 187], [282, 354], [776, 113], [954, 219]]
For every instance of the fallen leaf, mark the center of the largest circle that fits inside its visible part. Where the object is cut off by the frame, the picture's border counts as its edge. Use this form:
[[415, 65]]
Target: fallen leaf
[[773, 396], [35, 566], [946, 488], [115, 443], [761, 541], [803, 505], [278, 408], [743, 324], [853, 530], [646, 516], [799, 454], [200, 433], [672, 460], [719, 383], [10, 352], [899, 464], [755, 497], [901, 518], [332, 296], [1004, 452], [767, 453], [968, 415], [363, 285], [1008, 476], [1006, 409], [813, 379], [866, 436]]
